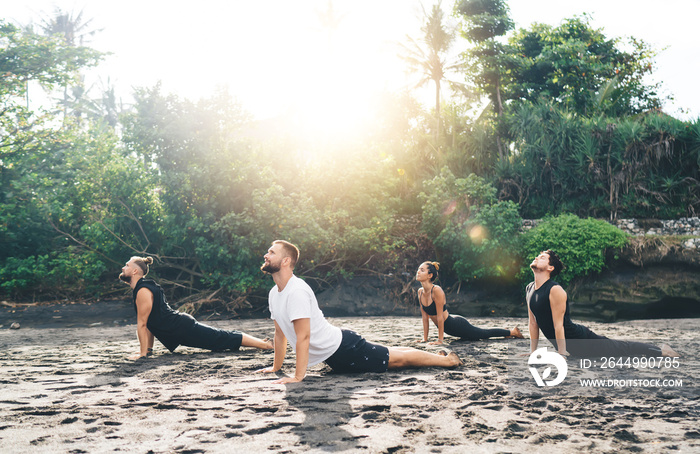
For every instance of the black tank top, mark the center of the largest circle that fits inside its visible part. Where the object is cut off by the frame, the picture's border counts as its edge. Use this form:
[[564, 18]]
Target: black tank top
[[164, 322], [538, 301], [431, 309]]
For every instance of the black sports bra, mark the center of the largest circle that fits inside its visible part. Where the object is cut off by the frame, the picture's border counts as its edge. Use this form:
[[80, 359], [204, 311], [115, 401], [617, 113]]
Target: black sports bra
[[431, 309]]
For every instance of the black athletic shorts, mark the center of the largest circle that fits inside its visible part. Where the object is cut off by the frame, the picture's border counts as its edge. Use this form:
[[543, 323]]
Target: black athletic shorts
[[355, 354]]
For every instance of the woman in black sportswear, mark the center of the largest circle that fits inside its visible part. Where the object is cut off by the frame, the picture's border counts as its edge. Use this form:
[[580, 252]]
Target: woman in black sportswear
[[431, 299]]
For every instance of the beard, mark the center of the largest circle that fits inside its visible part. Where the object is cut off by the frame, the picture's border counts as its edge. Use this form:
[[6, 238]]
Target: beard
[[269, 268], [125, 278], [535, 267]]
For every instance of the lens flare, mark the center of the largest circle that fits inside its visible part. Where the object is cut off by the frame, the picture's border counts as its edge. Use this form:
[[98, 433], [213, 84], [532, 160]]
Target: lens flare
[[450, 208], [477, 234]]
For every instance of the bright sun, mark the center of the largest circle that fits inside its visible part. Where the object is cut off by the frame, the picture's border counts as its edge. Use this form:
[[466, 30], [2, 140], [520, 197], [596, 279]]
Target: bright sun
[[331, 76], [335, 106]]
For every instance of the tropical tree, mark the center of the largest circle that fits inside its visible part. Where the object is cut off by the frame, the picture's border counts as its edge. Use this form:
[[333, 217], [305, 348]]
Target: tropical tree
[[431, 58], [642, 166], [485, 21], [74, 31], [27, 56], [30, 152], [107, 107], [580, 68], [24, 57]]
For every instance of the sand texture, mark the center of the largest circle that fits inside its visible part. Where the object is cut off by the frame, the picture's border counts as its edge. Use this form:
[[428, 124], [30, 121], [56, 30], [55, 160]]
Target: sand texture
[[71, 389]]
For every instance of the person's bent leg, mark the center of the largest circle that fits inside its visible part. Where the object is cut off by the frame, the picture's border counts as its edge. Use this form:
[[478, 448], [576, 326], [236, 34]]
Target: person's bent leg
[[589, 344], [458, 326], [210, 338], [355, 354], [410, 357]]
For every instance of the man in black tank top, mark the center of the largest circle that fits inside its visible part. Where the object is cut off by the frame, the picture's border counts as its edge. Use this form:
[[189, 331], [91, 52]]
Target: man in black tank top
[[155, 318], [548, 310]]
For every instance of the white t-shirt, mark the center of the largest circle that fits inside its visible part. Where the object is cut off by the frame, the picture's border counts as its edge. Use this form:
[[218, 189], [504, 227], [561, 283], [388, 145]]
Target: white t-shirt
[[296, 301]]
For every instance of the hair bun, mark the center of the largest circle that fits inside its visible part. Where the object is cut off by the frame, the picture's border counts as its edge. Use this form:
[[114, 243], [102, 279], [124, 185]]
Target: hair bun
[[148, 260], [436, 265]]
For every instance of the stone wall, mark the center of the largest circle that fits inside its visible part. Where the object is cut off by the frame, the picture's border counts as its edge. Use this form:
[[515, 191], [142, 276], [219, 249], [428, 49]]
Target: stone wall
[[657, 227], [679, 227]]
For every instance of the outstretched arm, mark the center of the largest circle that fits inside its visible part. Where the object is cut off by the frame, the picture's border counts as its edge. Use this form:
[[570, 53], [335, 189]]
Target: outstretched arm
[[424, 317], [144, 305], [533, 328], [426, 324], [280, 351], [302, 328], [557, 302]]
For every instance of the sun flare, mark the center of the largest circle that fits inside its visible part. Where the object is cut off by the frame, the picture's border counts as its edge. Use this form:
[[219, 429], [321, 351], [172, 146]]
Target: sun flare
[[335, 110], [329, 74]]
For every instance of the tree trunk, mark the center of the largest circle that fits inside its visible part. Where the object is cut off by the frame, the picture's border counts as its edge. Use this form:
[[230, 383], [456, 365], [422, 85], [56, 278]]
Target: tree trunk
[[499, 113], [437, 119], [613, 210]]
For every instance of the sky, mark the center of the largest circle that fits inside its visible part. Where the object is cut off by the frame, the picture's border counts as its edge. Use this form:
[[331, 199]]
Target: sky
[[274, 55]]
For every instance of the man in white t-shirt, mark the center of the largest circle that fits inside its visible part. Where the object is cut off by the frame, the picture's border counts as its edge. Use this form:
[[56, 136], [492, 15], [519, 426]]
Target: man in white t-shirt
[[297, 317]]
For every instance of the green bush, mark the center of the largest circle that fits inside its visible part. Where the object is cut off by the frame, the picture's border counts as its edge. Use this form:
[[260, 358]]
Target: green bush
[[18, 275], [580, 243], [68, 270]]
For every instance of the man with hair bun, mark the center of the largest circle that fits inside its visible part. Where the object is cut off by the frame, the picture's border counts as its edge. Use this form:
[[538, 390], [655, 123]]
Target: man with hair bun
[[155, 318]]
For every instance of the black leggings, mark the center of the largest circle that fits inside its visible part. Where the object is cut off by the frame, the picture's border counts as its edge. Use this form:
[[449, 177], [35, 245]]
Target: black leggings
[[210, 338], [584, 343], [458, 326]]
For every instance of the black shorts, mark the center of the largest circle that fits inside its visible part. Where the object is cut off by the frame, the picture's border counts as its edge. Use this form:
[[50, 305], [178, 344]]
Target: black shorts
[[355, 354]]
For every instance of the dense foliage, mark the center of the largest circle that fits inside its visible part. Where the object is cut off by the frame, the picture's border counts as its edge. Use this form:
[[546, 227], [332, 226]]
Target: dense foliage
[[568, 131], [580, 69], [582, 244], [644, 166], [473, 232]]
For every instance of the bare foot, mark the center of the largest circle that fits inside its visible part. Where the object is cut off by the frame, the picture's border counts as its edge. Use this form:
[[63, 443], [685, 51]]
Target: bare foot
[[666, 350], [455, 361], [515, 333]]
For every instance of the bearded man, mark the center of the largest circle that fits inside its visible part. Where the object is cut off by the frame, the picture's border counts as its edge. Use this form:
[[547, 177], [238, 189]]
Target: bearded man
[[155, 318]]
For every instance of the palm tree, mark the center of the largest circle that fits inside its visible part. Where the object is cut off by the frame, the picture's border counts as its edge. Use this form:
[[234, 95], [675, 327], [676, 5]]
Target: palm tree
[[484, 22], [329, 22], [75, 33], [72, 27], [430, 58]]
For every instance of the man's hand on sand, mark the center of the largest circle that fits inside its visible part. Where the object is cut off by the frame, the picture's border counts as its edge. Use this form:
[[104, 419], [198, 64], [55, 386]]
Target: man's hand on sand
[[282, 380]]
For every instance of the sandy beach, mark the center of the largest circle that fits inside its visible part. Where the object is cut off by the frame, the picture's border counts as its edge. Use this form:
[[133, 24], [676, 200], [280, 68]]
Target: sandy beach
[[68, 388]]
